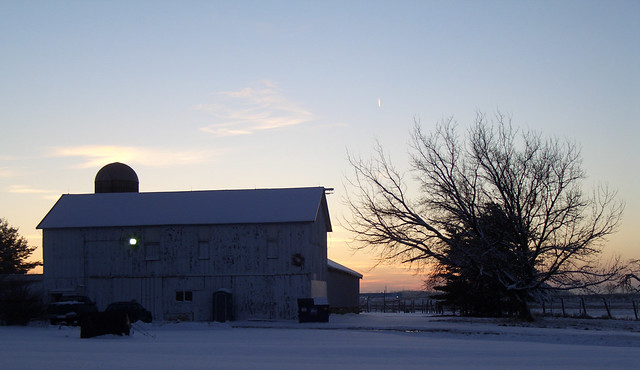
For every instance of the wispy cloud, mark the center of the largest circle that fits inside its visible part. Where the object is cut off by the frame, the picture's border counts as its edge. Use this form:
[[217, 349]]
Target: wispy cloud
[[8, 172], [27, 190], [98, 155], [252, 109], [22, 189]]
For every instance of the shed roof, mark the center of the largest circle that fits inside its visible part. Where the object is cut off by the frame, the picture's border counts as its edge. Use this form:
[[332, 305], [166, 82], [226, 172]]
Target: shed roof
[[188, 208], [338, 267]]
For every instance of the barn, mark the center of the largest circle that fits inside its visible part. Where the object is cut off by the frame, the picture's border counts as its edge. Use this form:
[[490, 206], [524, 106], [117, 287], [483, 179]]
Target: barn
[[188, 255]]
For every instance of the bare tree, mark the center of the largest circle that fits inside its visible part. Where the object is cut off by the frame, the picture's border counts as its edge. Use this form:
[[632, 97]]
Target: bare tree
[[502, 205], [630, 281]]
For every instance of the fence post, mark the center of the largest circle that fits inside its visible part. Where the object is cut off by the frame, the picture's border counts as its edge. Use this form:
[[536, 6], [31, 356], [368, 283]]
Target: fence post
[[584, 307], [606, 306], [384, 301], [564, 313]]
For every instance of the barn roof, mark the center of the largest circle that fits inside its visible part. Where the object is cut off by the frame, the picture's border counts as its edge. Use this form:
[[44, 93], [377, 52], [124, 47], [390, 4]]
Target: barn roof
[[188, 208]]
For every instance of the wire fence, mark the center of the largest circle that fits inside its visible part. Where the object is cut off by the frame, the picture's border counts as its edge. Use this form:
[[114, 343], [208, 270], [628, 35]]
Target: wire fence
[[610, 306], [393, 304]]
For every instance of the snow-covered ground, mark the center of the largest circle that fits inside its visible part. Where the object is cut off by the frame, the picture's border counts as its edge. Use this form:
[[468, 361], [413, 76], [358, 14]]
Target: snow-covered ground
[[365, 341]]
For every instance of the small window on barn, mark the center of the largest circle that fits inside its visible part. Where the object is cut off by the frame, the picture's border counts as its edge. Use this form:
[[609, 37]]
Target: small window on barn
[[184, 296], [152, 251], [272, 249], [152, 244], [203, 250], [203, 233]]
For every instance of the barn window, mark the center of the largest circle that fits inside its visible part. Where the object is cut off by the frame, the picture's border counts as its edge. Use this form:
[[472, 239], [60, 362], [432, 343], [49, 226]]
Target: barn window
[[152, 251], [184, 296], [203, 250], [152, 244]]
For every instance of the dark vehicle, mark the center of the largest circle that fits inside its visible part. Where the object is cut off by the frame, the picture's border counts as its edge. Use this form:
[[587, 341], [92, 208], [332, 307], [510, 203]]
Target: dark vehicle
[[134, 310], [69, 309]]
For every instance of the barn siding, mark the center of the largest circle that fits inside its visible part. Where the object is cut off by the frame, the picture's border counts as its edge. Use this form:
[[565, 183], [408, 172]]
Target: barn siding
[[344, 291], [254, 261]]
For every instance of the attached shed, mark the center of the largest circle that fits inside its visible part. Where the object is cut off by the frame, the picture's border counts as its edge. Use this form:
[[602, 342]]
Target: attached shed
[[343, 288], [173, 251]]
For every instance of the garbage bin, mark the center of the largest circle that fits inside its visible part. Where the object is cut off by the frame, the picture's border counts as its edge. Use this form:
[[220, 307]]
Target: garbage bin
[[313, 310]]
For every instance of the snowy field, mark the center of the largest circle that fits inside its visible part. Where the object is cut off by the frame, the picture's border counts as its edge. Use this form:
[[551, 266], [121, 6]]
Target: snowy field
[[365, 341]]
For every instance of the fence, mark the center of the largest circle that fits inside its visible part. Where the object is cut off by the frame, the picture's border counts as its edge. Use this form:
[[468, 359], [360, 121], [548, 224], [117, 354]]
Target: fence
[[611, 306], [420, 305]]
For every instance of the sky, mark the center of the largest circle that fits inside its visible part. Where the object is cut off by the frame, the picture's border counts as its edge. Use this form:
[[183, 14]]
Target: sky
[[199, 95]]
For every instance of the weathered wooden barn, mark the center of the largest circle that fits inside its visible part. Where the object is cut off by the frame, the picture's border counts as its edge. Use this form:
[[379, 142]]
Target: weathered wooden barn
[[193, 255]]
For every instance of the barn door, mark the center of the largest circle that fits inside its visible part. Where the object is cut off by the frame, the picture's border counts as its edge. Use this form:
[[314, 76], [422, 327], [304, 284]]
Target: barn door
[[222, 306], [152, 296]]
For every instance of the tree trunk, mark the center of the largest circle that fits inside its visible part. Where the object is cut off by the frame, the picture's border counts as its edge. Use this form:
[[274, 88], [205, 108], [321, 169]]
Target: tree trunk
[[524, 312]]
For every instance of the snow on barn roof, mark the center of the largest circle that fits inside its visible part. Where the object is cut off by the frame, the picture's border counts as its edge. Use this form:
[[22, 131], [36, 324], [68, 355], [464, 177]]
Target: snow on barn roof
[[336, 266], [188, 208]]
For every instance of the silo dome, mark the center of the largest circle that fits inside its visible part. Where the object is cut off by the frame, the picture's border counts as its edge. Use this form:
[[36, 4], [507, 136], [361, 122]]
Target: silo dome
[[116, 178]]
